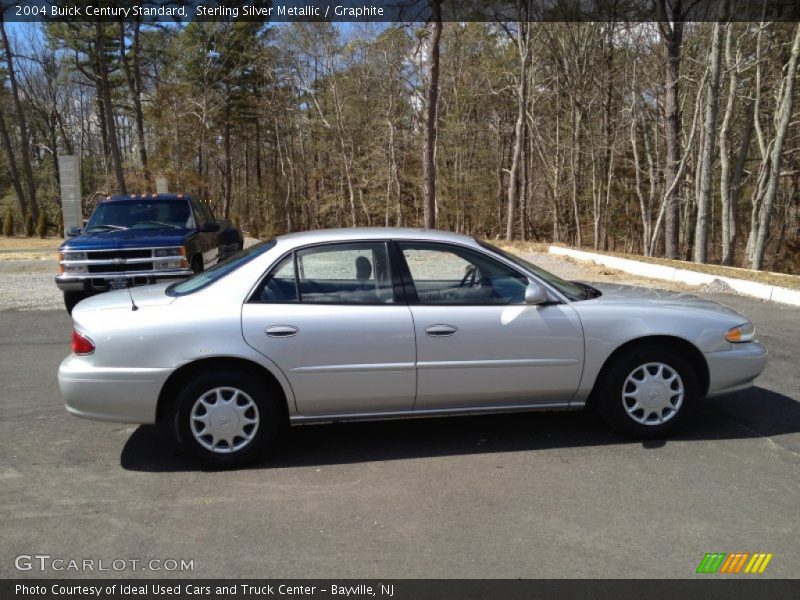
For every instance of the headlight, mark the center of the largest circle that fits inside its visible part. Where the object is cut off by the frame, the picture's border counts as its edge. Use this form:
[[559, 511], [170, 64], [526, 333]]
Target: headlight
[[73, 256], [741, 333], [175, 263], [161, 252], [71, 269]]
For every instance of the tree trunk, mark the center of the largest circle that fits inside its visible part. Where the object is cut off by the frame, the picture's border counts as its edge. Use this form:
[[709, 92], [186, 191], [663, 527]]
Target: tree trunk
[[728, 212], [672, 35], [133, 75], [228, 159], [519, 128], [22, 203], [25, 148], [105, 94], [431, 102], [708, 148]]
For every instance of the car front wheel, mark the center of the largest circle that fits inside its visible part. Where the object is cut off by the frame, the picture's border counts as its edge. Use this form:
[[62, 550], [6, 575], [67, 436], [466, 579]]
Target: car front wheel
[[647, 392], [228, 418]]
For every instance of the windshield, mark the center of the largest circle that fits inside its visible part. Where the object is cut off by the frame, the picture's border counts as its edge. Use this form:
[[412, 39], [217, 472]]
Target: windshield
[[570, 290], [141, 214], [219, 270]]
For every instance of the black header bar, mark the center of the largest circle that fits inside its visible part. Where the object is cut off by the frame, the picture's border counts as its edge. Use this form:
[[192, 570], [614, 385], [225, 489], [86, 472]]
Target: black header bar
[[398, 11]]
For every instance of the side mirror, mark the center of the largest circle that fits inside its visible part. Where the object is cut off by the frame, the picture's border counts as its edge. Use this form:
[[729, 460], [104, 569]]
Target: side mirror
[[210, 227], [73, 231], [535, 294]]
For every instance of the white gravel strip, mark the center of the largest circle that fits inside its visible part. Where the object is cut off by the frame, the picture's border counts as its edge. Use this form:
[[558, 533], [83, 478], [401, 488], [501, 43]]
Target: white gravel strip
[[29, 285]]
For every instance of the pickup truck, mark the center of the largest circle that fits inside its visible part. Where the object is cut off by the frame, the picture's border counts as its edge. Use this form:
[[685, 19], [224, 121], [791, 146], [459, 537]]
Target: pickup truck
[[139, 239]]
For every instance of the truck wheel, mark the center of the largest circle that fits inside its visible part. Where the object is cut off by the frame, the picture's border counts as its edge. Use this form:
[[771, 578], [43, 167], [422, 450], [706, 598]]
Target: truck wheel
[[72, 298], [197, 265]]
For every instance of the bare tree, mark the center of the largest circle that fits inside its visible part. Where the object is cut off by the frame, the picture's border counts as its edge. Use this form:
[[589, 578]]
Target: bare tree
[[771, 168], [22, 121], [521, 36], [708, 144], [671, 17], [431, 120]]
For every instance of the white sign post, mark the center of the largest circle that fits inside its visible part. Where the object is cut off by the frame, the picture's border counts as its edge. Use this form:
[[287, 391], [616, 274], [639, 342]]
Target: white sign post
[[69, 169]]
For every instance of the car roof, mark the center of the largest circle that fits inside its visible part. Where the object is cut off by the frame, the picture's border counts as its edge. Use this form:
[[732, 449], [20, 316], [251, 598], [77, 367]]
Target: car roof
[[373, 233]]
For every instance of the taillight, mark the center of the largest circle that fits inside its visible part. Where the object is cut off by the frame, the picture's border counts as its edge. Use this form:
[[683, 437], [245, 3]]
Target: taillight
[[81, 345]]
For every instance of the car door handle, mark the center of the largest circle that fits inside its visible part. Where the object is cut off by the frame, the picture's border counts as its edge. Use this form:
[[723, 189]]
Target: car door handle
[[282, 331], [441, 330]]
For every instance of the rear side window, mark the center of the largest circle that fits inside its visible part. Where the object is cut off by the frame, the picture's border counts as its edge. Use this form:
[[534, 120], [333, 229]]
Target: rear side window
[[280, 285], [334, 274]]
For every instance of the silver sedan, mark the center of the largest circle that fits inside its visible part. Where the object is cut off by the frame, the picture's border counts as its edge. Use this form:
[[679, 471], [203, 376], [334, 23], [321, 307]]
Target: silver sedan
[[385, 323]]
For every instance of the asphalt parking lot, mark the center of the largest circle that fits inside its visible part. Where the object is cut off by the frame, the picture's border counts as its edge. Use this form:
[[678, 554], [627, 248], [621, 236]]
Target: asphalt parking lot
[[537, 495]]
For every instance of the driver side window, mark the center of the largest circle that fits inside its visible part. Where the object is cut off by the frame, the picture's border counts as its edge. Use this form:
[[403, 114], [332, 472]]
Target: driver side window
[[451, 275]]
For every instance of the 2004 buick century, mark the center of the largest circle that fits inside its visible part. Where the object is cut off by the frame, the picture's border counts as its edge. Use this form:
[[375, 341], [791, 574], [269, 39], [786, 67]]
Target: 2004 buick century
[[385, 323]]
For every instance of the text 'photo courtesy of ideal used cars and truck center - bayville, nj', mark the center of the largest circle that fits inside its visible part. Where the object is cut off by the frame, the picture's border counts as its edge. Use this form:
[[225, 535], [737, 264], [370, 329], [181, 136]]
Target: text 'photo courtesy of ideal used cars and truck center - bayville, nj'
[[400, 299]]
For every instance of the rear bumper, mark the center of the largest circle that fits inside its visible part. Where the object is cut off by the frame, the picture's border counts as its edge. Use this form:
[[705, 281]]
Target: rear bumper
[[102, 282], [110, 394], [735, 369]]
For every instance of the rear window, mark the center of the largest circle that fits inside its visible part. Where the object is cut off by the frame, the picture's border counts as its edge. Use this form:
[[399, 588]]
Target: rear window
[[218, 271]]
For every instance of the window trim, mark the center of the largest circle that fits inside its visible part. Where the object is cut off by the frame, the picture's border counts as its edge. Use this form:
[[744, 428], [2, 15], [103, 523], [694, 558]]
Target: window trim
[[398, 290], [411, 290]]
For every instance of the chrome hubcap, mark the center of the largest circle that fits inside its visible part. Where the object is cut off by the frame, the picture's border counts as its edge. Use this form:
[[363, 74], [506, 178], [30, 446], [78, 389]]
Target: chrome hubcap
[[652, 393], [224, 420]]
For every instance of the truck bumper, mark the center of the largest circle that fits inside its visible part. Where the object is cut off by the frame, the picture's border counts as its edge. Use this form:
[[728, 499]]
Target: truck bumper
[[735, 369], [110, 394], [105, 282]]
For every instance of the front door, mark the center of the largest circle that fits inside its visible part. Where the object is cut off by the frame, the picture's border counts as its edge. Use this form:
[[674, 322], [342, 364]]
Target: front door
[[329, 318], [478, 343]]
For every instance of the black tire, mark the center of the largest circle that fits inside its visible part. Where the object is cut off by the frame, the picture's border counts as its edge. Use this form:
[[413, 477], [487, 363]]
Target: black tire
[[197, 264], [270, 413], [72, 298], [618, 411]]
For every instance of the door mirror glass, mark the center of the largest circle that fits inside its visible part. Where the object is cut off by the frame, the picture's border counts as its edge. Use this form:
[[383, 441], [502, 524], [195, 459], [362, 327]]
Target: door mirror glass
[[535, 294]]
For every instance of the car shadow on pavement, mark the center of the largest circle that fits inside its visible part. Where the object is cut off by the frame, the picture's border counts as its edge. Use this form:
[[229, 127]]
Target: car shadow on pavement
[[753, 413]]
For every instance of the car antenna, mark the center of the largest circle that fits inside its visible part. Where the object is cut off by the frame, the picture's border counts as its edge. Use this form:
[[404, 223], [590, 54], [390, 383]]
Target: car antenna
[[133, 304]]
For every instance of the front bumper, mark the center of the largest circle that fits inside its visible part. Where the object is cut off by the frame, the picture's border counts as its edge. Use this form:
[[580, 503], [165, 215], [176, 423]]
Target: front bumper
[[102, 282], [110, 394], [735, 369]]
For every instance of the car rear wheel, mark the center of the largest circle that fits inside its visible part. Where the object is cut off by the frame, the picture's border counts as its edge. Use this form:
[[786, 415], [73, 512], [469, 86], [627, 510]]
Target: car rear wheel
[[72, 298], [647, 392], [228, 418]]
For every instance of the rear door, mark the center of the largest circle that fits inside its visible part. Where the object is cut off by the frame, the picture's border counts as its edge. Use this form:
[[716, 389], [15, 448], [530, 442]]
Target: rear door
[[331, 317], [478, 343]]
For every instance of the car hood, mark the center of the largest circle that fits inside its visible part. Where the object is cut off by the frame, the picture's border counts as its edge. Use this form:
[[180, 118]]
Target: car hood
[[627, 294], [127, 238], [145, 296]]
